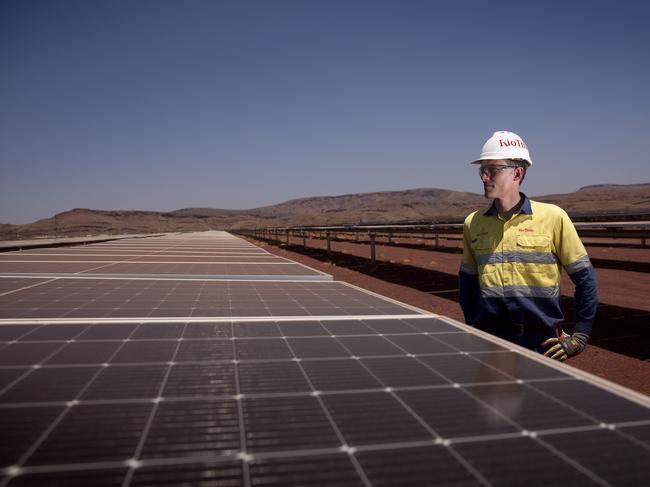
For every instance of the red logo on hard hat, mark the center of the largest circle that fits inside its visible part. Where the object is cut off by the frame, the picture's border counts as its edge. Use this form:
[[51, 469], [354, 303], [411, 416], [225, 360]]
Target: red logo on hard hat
[[512, 143]]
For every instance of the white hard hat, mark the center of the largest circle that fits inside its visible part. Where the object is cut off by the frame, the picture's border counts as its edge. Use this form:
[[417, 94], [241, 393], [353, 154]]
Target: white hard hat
[[504, 145]]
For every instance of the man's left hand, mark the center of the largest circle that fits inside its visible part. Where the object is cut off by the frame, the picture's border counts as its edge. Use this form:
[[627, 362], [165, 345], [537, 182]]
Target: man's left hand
[[567, 346]]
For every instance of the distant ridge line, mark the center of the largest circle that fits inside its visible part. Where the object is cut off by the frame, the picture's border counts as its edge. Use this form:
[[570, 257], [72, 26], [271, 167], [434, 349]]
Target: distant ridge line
[[429, 205]]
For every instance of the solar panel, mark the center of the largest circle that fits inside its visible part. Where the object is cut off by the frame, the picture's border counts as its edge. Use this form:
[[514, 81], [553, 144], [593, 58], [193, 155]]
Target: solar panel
[[167, 298], [221, 270], [148, 259], [351, 389]]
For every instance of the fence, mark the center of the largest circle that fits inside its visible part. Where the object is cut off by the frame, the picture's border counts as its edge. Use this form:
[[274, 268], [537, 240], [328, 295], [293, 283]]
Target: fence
[[435, 236]]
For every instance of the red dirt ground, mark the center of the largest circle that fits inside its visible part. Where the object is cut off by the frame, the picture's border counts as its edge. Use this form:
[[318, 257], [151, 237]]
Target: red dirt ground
[[620, 345]]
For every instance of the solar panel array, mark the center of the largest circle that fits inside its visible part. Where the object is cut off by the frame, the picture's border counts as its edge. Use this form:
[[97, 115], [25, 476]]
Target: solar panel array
[[203, 360]]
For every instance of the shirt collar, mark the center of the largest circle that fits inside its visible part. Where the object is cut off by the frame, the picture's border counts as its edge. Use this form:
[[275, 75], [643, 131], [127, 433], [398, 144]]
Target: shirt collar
[[525, 209]]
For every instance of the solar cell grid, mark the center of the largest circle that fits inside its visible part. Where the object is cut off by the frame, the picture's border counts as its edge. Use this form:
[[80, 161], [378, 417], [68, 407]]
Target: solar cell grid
[[193, 428], [339, 375], [463, 369], [126, 382], [93, 433], [85, 353], [320, 471], [137, 259], [301, 401], [205, 351], [235, 270], [591, 401], [583, 448], [28, 353], [638, 432], [514, 365], [82, 478], [50, 385], [135, 253], [97, 298], [287, 423], [510, 460], [196, 380], [208, 330], [9, 285], [453, 413], [233, 259], [220, 473], [21, 427], [370, 419], [14, 332], [402, 372], [420, 344], [528, 408], [273, 377], [252, 376], [243, 253], [416, 466], [9, 376]]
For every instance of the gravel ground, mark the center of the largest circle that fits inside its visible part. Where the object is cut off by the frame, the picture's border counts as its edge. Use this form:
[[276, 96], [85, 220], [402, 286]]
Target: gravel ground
[[620, 348]]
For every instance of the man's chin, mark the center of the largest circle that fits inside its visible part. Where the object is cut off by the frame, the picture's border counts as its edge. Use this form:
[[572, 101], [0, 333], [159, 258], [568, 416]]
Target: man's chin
[[487, 192]]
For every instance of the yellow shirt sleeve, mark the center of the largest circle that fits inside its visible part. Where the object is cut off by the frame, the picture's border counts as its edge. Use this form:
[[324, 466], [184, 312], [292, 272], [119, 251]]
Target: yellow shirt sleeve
[[468, 262], [569, 248]]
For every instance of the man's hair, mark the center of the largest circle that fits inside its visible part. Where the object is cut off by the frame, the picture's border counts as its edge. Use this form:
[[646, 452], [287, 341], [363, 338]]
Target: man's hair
[[522, 163]]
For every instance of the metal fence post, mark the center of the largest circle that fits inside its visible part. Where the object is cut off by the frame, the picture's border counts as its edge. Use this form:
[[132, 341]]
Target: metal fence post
[[304, 239], [329, 244], [373, 259]]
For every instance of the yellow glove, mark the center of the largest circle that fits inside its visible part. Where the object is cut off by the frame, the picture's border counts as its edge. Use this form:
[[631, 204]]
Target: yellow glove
[[565, 346]]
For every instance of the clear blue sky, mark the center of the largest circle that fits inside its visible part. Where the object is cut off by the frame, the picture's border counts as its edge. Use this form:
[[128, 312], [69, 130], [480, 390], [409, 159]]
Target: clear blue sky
[[160, 105]]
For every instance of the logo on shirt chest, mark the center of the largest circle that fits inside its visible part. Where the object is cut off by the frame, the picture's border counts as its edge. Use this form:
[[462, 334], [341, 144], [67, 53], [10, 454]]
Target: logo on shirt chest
[[478, 235]]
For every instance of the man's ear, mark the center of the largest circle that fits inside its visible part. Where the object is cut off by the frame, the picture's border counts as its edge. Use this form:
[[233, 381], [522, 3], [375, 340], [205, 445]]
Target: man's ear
[[519, 174]]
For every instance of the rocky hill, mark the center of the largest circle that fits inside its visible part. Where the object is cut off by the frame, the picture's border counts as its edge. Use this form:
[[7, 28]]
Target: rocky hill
[[414, 205], [604, 199]]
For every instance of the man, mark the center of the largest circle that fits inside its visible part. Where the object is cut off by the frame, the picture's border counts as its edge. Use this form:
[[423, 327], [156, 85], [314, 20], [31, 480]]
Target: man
[[512, 253]]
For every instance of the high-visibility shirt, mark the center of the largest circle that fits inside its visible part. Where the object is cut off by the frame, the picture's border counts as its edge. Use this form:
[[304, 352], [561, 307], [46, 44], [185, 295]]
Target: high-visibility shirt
[[510, 270]]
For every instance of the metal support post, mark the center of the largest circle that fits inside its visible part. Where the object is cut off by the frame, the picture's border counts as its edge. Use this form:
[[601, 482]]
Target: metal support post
[[373, 259], [329, 244], [304, 239]]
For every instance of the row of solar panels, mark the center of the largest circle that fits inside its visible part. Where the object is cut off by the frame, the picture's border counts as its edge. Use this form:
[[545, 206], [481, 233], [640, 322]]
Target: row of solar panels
[[204, 360]]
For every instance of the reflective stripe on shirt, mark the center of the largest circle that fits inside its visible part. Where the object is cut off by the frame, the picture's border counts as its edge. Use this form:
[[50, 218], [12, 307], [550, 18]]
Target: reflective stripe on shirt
[[576, 265], [521, 292], [525, 257], [468, 268]]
